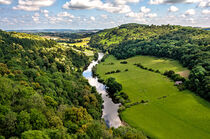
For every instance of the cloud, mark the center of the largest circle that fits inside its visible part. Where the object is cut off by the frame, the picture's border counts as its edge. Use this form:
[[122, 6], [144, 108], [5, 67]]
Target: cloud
[[65, 14], [32, 5], [144, 9], [142, 15], [7, 2], [206, 11], [191, 20], [173, 9], [104, 16], [118, 6], [151, 15], [35, 18], [156, 1], [92, 18], [62, 17], [204, 4], [81, 4], [122, 2], [45, 12], [172, 1], [190, 12], [135, 15]]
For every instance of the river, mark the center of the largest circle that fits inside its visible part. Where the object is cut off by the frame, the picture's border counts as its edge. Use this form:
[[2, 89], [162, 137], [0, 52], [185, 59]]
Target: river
[[110, 110]]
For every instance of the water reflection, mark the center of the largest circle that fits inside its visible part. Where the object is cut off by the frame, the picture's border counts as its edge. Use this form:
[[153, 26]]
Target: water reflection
[[110, 110]]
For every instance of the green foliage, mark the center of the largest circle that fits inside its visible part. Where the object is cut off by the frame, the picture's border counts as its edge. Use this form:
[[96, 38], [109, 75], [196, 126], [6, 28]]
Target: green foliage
[[34, 134], [23, 122], [37, 77], [38, 120], [128, 133], [155, 101], [42, 91], [113, 86], [188, 45]]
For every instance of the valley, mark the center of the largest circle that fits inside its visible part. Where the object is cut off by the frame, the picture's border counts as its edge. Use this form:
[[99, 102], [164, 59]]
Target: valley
[[132, 81], [168, 112]]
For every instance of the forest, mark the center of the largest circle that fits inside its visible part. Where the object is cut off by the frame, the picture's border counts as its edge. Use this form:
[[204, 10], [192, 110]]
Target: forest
[[190, 46], [44, 95]]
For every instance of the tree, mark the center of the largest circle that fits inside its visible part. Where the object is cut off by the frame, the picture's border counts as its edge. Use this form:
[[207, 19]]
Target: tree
[[113, 86], [38, 120], [23, 122], [34, 134]]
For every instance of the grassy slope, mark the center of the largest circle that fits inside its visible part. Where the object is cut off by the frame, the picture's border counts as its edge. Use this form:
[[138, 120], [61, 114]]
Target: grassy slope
[[83, 44], [179, 115]]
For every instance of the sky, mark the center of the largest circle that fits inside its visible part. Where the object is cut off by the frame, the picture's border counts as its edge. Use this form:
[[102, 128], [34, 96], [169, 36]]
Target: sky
[[100, 14]]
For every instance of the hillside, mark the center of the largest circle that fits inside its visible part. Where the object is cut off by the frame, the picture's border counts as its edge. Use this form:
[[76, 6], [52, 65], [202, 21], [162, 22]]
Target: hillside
[[43, 94], [190, 46]]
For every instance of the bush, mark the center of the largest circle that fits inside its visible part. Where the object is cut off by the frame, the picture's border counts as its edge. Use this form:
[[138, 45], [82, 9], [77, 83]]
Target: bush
[[123, 62]]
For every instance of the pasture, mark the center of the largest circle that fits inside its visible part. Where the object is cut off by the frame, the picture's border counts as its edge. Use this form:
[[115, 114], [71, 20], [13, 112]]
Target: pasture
[[169, 113], [80, 46]]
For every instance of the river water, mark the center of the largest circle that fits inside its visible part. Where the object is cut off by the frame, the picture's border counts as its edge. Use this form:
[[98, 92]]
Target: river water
[[110, 110]]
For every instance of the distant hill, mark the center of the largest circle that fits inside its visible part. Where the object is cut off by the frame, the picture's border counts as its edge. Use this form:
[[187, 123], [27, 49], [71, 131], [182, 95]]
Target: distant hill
[[56, 30]]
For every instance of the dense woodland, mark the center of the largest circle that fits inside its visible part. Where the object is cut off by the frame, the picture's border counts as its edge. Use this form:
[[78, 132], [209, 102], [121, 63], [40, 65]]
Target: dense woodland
[[66, 35], [43, 94], [190, 46]]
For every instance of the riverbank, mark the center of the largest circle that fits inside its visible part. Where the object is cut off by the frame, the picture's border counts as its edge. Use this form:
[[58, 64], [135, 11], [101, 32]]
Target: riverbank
[[168, 113], [110, 109]]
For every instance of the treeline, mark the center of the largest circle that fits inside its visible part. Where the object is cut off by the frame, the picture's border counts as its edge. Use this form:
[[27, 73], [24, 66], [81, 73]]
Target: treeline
[[43, 94], [65, 35], [114, 90], [190, 46], [70, 41], [180, 81]]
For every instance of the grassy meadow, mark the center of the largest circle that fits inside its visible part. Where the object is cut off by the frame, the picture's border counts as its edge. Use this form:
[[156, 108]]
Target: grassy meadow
[[80, 45], [169, 113]]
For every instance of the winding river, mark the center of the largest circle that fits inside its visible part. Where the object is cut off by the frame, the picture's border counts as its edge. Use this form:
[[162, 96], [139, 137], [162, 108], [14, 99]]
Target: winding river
[[110, 110]]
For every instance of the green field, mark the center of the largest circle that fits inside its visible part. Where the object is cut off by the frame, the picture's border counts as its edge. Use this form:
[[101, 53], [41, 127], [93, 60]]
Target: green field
[[180, 114], [83, 44]]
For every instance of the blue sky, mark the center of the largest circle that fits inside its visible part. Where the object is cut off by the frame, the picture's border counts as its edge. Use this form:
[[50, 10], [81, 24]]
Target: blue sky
[[91, 14]]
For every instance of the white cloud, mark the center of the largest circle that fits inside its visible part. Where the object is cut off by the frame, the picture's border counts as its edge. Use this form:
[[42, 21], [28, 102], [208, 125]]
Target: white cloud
[[142, 15], [36, 14], [191, 20], [104, 16], [4, 20], [45, 12], [62, 17], [190, 12], [113, 7], [172, 1], [122, 2], [151, 15], [206, 11], [135, 15], [32, 5], [7, 2], [204, 3], [92, 18], [156, 1], [173, 9], [35, 17], [144, 9], [55, 19], [81, 4], [65, 14]]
